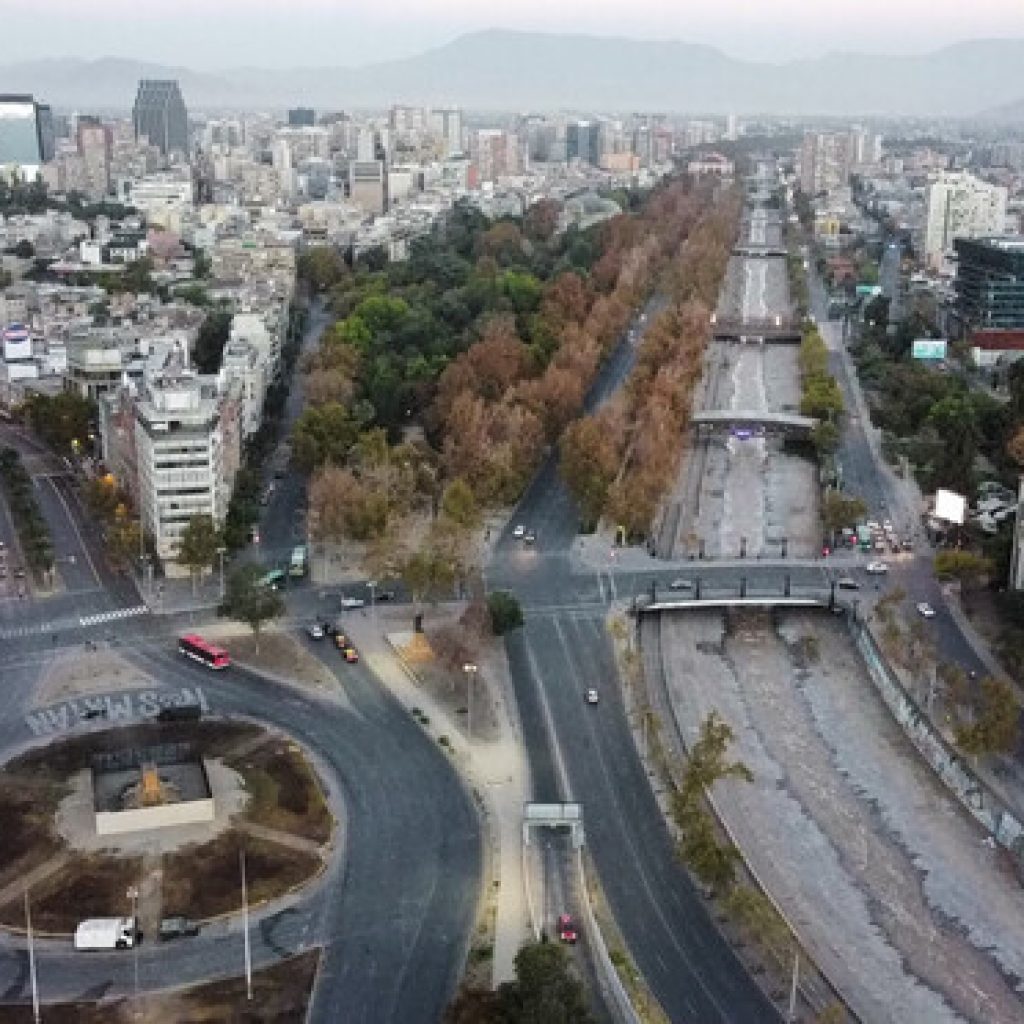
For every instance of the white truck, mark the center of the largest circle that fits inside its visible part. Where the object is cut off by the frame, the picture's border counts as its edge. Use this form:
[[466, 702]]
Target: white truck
[[105, 933]]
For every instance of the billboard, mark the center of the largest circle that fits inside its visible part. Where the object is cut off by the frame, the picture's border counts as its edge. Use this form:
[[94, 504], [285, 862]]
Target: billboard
[[17, 343], [950, 506], [929, 348], [866, 291]]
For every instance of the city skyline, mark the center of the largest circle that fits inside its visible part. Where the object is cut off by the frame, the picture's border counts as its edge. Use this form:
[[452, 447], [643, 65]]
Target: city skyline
[[315, 32]]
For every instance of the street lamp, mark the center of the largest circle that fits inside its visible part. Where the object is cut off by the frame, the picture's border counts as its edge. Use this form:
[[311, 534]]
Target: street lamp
[[220, 555], [372, 584], [133, 895], [471, 670]]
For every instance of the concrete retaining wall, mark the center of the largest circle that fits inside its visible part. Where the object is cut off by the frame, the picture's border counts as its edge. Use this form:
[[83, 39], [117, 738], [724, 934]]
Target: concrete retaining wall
[[188, 812], [985, 807]]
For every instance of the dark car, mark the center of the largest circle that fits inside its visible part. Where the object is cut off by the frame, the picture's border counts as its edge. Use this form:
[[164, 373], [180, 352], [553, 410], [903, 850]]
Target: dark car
[[180, 713], [387, 595], [176, 928], [566, 928]]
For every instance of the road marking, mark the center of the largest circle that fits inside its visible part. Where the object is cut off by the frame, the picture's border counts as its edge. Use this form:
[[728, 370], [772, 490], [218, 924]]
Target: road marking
[[600, 585], [74, 526], [113, 616], [611, 586]]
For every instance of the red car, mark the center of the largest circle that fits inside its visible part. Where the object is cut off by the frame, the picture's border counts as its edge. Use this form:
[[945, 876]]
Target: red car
[[350, 654], [567, 928]]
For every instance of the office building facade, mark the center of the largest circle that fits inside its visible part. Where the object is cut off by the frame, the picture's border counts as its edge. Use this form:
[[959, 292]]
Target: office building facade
[[159, 114], [825, 160], [301, 117], [26, 136], [583, 142], [990, 283]]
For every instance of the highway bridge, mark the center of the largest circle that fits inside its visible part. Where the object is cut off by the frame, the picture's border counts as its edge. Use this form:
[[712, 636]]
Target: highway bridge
[[750, 250], [754, 420], [771, 329]]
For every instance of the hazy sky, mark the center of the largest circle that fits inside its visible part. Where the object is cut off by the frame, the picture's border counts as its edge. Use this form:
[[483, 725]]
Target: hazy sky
[[209, 34]]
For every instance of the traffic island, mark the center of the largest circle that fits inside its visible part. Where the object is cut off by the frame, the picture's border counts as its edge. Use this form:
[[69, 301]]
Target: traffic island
[[162, 808]]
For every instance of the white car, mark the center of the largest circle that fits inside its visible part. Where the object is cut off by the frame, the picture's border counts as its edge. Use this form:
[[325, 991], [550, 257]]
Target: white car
[[926, 610], [591, 696], [876, 568], [315, 631], [352, 602], [680, 584], [519, 532]]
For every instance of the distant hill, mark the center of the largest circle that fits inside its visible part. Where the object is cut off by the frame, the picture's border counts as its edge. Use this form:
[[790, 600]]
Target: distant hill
[[505, 70]]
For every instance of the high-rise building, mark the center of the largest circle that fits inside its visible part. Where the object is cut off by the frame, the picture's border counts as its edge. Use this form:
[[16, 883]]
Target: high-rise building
[[301, 117], [447, 123], [990, 282], [159, 114], [26, 136], [961, 206], [95, 145], [824, 162], [583, 142], [368, 185]]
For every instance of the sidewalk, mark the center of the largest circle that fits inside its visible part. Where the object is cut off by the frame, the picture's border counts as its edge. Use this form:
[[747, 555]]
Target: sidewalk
[[496, 771]]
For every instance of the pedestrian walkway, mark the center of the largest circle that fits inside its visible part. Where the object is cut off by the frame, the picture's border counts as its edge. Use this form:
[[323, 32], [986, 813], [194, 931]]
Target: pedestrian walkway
[[497, 771]]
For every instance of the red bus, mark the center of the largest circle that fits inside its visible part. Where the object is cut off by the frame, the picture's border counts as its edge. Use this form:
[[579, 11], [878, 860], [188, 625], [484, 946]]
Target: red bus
[[195, 647]]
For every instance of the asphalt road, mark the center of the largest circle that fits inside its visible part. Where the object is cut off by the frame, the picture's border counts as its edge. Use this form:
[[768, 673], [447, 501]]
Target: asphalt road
[[393, 917], [561, 651]]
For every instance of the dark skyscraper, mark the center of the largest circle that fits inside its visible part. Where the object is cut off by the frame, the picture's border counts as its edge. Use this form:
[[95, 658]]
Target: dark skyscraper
[[583, 142], [160, 115], [301, 117]]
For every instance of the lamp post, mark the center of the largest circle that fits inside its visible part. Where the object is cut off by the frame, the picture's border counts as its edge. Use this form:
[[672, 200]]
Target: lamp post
[[221, 551], [133, 895], [32, 962], [245, 927], [372, 584], [471, 670]]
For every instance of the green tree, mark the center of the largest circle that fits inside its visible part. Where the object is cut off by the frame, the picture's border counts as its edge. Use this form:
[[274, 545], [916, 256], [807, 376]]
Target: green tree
[[838, 511], [213, 336], [322, 267], [505, 610], [955, 426], [589, 462], [24, 250], [64, 421], [202, 267], [708, 763], [545, 990], [198, 547], [965, 566], [712, 862], [247, 600], [459, 505], [996, 725]]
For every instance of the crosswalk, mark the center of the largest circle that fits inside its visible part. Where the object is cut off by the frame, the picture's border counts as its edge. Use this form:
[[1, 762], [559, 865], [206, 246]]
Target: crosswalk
[[113, 616], [83, 622]]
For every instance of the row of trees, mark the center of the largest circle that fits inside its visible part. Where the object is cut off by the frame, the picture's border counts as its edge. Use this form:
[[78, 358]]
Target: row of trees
[[820, 396], [110, 507], [622, 460], [28, 520], [64, 421]]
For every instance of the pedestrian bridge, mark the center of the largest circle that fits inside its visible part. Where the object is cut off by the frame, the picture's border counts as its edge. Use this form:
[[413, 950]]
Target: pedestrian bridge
[[754, 251], [645, 606], [754, 420]]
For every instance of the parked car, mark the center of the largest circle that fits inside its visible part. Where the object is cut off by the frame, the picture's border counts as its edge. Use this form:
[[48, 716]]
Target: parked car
[[340, 640], [350, 654], [348, 603], [176, 928], [519, 532], [680, 584], [847, 583], [876, 568], [926, 610], [315, 631], [592, 696], [529, 537]]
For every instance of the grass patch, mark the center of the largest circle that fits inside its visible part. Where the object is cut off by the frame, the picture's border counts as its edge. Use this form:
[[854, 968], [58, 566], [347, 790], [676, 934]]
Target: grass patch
[[89, 885], [27, 834], [284, 792], [280, 996], [271, 871]]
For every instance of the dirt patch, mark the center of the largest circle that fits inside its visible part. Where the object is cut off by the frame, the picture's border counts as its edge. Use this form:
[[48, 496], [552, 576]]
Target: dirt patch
[[280, 655], [280, 996], [27, 835], [88, 885], [284, 792], [88, 672], [271, 871]]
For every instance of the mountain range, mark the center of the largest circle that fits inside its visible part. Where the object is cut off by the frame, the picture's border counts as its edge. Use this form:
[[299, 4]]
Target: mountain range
[[508, 70]]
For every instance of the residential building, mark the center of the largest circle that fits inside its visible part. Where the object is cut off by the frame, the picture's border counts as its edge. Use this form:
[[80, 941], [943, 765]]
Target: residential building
[[959, 205], [26, 136], [187, 450], [160, 116], [447, 125], [95, 147], [824, 162], [990, 283]]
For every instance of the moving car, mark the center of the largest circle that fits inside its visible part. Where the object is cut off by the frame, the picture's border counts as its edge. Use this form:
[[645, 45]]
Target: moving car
[[876, 568], [591, 696], [315, 631], [350, 654], [519, 532], [926, 610], [341, 641], [680, 584], [352, 602], [529, 537], [847, 583], [566, 928], [176, 928]]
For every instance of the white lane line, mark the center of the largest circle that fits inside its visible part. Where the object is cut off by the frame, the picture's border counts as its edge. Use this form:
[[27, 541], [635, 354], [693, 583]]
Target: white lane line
[[74, 526]]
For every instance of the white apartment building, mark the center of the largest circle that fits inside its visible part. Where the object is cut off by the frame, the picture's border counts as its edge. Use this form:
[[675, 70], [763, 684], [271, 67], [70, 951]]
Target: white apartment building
[[187, 449], [243, 367], [959, 205], [824, 162]]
